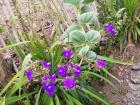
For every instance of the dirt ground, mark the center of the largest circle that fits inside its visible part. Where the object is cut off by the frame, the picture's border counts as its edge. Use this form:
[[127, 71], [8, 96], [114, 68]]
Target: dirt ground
[[128, 93]]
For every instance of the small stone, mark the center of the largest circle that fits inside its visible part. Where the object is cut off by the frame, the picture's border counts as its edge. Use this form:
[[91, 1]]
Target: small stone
[[134, 87], [136, 66], [135, 77]]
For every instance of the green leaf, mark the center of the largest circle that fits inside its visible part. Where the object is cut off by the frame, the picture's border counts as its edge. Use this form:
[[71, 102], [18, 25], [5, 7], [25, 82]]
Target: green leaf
[[10, 82], [13, 99], [85, 8], [101, 77], [84, 50], [13, 45], [56, 100], [69, 100], [113, 60], [2, 100], [1, 29], [56, 57], [77, 37], [22, 79], [93, 36], [107, 72], [19, 50], [17, 86], [73, 2], [88, 1], [95, 96], [119, 13], [88, 17], [47, 100], [73, 27], [77, 102], [91, 56], [38, 97]]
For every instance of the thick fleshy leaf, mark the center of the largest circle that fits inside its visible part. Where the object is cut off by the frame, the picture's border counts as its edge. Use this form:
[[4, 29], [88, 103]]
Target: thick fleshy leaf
[[93, 36], [73, 2], [84, 50], [91, 56], [77, 37], [73, 27], [85, 8], [88, 17]]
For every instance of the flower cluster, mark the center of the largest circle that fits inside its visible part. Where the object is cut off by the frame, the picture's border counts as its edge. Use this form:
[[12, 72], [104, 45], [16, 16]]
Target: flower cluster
[[67, 75], [69, 72], [110, 29]]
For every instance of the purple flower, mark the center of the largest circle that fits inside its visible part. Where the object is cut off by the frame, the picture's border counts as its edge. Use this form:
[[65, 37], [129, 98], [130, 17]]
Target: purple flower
[[52, 77], [29, 74], [77, 71], [69, 83], [100, 63], [49, 88], [110, 29], [67, 54], [62, 71], [46, 64]]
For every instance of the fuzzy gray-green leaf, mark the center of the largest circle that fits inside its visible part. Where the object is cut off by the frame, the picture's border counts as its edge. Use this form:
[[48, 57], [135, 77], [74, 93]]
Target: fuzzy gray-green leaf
[[88, 17], [73, 27], [84, 50], [77, 37], [91, 56], [93, 36]]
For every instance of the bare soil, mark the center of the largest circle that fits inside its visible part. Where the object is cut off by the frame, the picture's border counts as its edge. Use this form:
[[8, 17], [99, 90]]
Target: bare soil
[[127, 93]]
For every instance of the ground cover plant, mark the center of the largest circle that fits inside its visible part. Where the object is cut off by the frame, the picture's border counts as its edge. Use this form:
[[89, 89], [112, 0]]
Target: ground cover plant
[[61, 72]]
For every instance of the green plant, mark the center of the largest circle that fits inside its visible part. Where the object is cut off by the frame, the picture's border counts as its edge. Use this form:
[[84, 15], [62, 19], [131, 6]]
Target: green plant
[[125, 15], [83, 41]]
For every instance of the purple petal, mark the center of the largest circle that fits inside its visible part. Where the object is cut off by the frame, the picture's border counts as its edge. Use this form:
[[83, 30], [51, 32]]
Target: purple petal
[[101, 63], [29, 74], [49, 88], [77, 71], [110, 29], [62, 71], [46, 64], [69, 83], [67, 54]]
